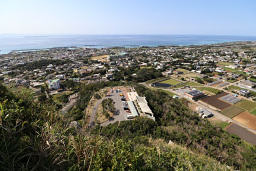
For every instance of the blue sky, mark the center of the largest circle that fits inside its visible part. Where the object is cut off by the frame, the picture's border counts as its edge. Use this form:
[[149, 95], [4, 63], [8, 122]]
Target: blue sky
[[212, 17]]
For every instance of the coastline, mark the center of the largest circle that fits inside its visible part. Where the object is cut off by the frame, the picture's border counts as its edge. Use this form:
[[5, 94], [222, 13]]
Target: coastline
[[14, 43]]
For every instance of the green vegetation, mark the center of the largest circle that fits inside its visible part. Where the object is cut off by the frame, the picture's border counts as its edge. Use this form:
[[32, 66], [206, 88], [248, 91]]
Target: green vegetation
[[142, 75], [209, 89], [224, 63], [171, 82], [235, 71], [108, 106], [199, 80], [253, 79], [193, 84], [222, 125], [246, 104], [232, 88], [34, 136], [177, 123], [40, 64], [253, 112], [232, 111]]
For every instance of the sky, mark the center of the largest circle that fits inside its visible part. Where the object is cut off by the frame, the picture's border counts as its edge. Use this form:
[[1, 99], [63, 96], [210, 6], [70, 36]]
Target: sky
[[199, 17]]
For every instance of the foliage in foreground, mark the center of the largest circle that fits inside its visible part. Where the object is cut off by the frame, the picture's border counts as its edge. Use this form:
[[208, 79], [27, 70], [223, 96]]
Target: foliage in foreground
[[35, 137]]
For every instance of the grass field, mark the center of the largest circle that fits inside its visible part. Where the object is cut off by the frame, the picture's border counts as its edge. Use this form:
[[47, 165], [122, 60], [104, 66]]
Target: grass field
[[209, 89], [192, 84], [171, 82], [232, 87], [224, 63], [168, 92], [182, 70], [253, 112], [232, 111], [247, 105], [234, 71], [253, 79]]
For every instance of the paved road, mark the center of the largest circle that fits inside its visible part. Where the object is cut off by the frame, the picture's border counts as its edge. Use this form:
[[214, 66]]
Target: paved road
[[94, 112], [70, 104], [216, 113]]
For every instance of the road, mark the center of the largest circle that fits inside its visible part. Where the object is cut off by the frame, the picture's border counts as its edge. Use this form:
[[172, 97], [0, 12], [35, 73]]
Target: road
[[70, 104], [94, 112], [217, 114]]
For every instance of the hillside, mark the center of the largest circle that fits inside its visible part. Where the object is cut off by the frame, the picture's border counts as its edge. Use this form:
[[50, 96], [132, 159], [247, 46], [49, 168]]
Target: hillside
[[35, 136]]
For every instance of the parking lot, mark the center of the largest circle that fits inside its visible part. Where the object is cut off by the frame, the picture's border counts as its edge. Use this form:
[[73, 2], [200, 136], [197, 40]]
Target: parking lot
[[120, 114]]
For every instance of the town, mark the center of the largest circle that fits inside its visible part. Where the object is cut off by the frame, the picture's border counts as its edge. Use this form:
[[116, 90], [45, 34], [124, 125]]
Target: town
[[218, 81]]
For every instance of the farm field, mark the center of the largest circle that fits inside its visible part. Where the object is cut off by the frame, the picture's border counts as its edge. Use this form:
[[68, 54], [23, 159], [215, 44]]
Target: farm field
[[214, 101], [224, 63], [182, 70], [236, 71], [232, 87], [171, 82], [246, 119], [242, 133], [192, 84], [102, 58], [253, 112], [247, 105], [209, 89], [232, 111]]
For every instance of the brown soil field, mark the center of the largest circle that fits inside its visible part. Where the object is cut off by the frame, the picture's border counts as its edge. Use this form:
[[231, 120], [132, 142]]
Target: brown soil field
[[242, 133], [214, 101], [247, 119]]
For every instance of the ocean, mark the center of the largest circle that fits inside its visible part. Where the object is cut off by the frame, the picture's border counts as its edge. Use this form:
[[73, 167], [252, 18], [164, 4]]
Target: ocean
[[9, 43]]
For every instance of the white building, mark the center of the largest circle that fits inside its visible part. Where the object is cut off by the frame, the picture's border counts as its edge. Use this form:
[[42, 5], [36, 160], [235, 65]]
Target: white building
[[53, 84]]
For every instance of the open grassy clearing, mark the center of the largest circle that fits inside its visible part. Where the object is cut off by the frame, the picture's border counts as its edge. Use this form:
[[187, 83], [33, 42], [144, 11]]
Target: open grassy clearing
[[171, 82], [232, 111], [232, 87], [236, 71], [168, 92], [155, 80], [224, 63], [182, 70], [209, 89], [253, 112], [193, 84], [247, 105], [253, 79]]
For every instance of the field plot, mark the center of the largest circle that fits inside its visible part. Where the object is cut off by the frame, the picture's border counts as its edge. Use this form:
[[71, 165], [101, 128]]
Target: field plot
[[242, 133], [193, 84], [182, 70], [253, 112], [102, 58], [171, 82], [247, 119], [214, 101], [209, 89], [232, 87], [232, 111], [247, 105]]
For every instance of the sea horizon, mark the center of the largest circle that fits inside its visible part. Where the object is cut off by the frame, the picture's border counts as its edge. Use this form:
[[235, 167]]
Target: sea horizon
[[25, 42]]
